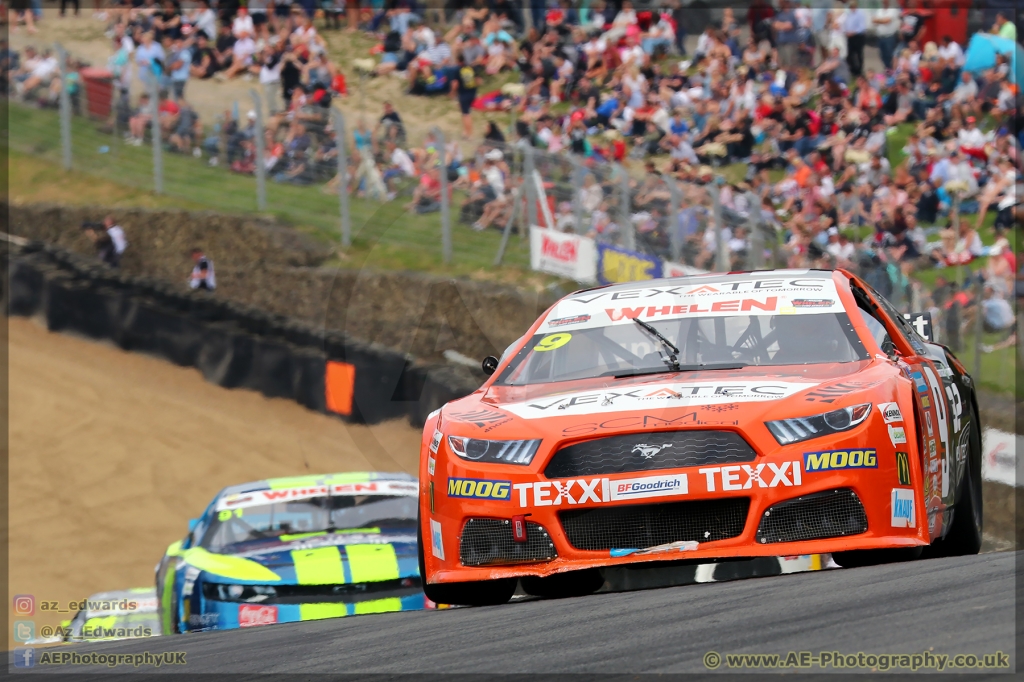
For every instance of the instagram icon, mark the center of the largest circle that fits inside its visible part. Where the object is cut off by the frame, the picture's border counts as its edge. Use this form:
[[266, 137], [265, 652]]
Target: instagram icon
[[24, 604]]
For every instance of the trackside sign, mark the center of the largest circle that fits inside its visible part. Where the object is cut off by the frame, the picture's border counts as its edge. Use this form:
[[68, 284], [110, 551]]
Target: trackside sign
[[565, 255]]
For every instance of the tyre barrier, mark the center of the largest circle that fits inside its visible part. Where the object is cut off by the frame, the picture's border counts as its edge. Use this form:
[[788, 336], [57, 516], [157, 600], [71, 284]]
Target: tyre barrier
[[231, 345]]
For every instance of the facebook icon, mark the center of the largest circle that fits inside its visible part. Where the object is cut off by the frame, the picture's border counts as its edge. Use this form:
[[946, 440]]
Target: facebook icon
[[24, 657]]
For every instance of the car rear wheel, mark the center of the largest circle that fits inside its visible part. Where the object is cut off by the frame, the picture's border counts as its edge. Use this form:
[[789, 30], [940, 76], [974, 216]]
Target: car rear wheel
[[475, 593], [562, 585]]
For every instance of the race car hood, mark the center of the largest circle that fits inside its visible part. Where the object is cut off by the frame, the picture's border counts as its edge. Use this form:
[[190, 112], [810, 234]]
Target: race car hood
[[360, 555], [518, 411]]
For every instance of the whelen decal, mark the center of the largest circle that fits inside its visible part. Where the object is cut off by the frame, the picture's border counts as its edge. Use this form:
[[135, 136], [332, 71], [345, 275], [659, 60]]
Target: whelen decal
[[716, 298], [260, 497], [745, 305], [655, 396]]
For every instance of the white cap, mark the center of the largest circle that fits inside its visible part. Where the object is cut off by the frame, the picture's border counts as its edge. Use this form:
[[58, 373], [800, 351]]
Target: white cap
[[494, 155], [252, 113]]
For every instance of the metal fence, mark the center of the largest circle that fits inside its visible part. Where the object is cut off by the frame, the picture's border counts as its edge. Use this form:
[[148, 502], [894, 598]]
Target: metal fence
[[255, 157]]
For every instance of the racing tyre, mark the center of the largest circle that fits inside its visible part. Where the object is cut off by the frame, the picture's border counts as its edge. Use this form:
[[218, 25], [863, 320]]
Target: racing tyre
[[964, 535], [478, 593], [561, 585]]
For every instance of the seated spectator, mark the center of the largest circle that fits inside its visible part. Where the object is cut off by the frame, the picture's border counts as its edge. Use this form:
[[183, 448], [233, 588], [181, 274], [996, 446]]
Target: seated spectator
[[187, 130], [242, 51], [140, 121], [204, 61]]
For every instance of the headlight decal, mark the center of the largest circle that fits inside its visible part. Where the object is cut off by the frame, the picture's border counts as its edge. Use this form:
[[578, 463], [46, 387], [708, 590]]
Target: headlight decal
[[497, 451], [798, 429]]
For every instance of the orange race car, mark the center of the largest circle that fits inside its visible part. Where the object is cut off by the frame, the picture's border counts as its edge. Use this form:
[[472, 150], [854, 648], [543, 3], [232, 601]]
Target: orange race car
[[720, 416]]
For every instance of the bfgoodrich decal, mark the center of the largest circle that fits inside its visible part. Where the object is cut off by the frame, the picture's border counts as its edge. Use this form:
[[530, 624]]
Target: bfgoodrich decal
[[656, 396]]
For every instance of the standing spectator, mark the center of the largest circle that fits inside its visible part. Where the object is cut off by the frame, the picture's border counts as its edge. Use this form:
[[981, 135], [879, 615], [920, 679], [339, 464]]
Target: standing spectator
[[150, 58], [887, 23], [787, 35], [270, 79], [202, 272], [20, 8], [464, 88], [180, 66], [855, 26]]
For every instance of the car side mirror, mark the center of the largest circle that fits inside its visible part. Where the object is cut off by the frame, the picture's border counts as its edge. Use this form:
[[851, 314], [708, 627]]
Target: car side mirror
[[889, 348], [489, 364], [192, 523]]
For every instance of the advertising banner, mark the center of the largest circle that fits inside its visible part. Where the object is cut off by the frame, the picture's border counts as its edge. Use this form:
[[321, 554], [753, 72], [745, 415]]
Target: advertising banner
[[566, 255], [616, 265]]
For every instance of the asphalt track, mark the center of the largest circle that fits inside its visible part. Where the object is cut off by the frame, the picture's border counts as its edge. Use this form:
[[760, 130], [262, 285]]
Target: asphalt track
[[952, 606]]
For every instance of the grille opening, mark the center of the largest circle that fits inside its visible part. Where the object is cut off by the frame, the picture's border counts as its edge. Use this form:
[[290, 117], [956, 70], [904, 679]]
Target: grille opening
[[829, 514], [649, 452], [486, 542], [649, 525]]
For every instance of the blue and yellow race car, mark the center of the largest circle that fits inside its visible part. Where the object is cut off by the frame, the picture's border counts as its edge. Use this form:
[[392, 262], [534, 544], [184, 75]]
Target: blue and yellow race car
[[293, 549]]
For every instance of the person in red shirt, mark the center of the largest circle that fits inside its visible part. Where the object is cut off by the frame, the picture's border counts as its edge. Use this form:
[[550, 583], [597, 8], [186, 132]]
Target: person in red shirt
[[168, 112]]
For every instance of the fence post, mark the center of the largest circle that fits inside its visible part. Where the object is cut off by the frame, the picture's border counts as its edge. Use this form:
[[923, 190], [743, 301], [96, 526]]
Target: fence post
[[531, 187], [721, 254], [625, 224], [261, 151], [579, 174], [158, 149], [446, 223], [675, 236], [346, 219], [755, 260], [65, 108], [979, 328], [498, 257]]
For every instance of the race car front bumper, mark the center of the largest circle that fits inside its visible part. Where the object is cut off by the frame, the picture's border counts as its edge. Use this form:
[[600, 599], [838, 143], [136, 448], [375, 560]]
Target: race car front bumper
[[775, 507]]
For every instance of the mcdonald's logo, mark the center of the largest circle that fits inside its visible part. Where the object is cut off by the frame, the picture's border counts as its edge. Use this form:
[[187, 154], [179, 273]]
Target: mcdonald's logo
[[903, 468]]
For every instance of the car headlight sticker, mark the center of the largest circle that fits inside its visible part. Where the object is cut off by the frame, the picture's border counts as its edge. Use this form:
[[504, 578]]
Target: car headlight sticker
[[498, 451], [797, 429]]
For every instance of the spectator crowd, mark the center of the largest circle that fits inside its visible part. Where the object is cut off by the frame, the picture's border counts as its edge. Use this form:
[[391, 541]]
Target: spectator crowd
[[779, 120]]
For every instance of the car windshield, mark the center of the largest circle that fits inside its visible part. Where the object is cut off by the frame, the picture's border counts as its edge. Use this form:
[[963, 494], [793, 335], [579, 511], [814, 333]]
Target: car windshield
[[310, 515], [627, 348]]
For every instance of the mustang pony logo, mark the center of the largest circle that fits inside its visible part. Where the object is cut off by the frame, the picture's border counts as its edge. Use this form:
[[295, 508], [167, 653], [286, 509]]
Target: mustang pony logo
[[647, 451]]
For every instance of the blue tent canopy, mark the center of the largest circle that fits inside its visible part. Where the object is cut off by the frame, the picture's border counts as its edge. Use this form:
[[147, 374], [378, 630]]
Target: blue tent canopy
[[982, 50]]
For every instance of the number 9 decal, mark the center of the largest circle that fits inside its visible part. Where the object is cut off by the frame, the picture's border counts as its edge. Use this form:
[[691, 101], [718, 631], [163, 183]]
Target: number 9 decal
[[553, 342]]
